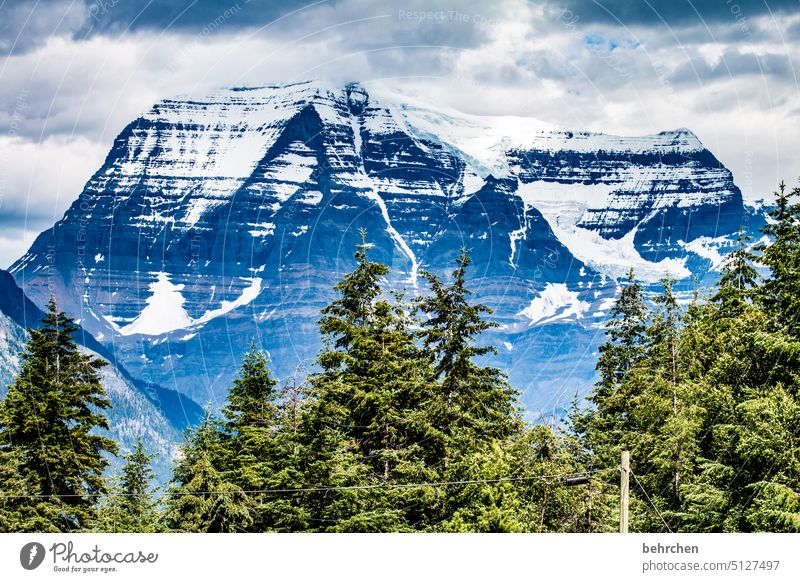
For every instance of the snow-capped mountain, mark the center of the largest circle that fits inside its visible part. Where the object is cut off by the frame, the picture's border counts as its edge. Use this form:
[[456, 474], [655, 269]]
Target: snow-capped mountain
[[221, 219]]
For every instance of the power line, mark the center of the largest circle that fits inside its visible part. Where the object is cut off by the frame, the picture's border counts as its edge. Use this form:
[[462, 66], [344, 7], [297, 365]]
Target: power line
[[635, 478], [562, 477]]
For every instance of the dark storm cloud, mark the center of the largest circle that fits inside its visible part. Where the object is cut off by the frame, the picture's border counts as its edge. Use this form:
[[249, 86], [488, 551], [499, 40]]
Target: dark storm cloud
[[734, 64], [672, 12], [26, 25], [193, 16]]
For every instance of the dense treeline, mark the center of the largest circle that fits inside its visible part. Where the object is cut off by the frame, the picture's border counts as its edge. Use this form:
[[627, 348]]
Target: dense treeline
[[400, 428], [706, 397]]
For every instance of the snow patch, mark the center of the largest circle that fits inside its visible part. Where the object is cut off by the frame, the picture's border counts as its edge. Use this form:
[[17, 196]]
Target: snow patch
[[562, 205], [261, 228], [708, 248], [370, 192], [246, 297], [484, 140], [554, 302], [164, 311]]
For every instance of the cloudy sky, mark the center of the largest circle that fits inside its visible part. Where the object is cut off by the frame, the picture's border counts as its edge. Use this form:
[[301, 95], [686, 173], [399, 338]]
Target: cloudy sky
[[73, 73]]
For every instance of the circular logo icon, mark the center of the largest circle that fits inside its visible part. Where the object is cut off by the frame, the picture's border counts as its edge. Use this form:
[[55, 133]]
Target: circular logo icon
[[31, 555]]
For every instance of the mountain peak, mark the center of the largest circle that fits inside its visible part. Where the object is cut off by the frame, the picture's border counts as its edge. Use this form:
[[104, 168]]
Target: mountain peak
[[225, 217]]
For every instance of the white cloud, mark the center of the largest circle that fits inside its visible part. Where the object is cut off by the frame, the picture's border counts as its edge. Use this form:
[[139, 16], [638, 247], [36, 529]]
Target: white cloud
[[38, 181]]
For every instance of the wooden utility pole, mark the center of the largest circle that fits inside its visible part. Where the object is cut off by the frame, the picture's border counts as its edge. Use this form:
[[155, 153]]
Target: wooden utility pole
[[624, 486]]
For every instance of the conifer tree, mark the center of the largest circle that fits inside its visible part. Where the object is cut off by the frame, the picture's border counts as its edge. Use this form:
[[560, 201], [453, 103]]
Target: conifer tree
[[472, 396], [768, 450], [709, 409], [626, 339], [474, 410], [49, 421], [366, 421], [251, 420], [23, 507], [201, 499], [259, 444], [130, 507], [602, 427], [664, 334], [779, 295], [738, 278]]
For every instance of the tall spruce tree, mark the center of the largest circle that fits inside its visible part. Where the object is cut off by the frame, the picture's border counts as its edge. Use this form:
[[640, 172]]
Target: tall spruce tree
[[474, 411], [251, 421], [603, 427], [666, 412], [625, 337], [780, 293], [201, 499], [49, 421], [470, 395], [366, 422], [130, 507], [259, 445], [739, 277]]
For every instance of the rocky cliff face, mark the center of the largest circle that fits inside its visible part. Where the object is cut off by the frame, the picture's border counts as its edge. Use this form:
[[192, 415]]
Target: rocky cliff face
[[222, 219]]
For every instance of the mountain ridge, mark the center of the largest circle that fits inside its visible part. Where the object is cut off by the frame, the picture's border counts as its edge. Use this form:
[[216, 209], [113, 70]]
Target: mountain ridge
[[217, 220]]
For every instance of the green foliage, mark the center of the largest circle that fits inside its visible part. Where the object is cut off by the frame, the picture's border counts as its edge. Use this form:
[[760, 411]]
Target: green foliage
[[366, 425], [625, 332], [48, 431], [780, 293], [739, 277], [401, 428], [260, 447], [129, 507], [201, 499], [469, 396], [709, 409]]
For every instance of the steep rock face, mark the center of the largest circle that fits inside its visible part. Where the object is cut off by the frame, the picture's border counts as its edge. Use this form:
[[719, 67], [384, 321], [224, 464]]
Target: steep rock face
[[220, 220]]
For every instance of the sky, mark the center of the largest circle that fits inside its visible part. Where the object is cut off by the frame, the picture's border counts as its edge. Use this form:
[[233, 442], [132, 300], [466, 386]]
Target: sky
[[73, 73]]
